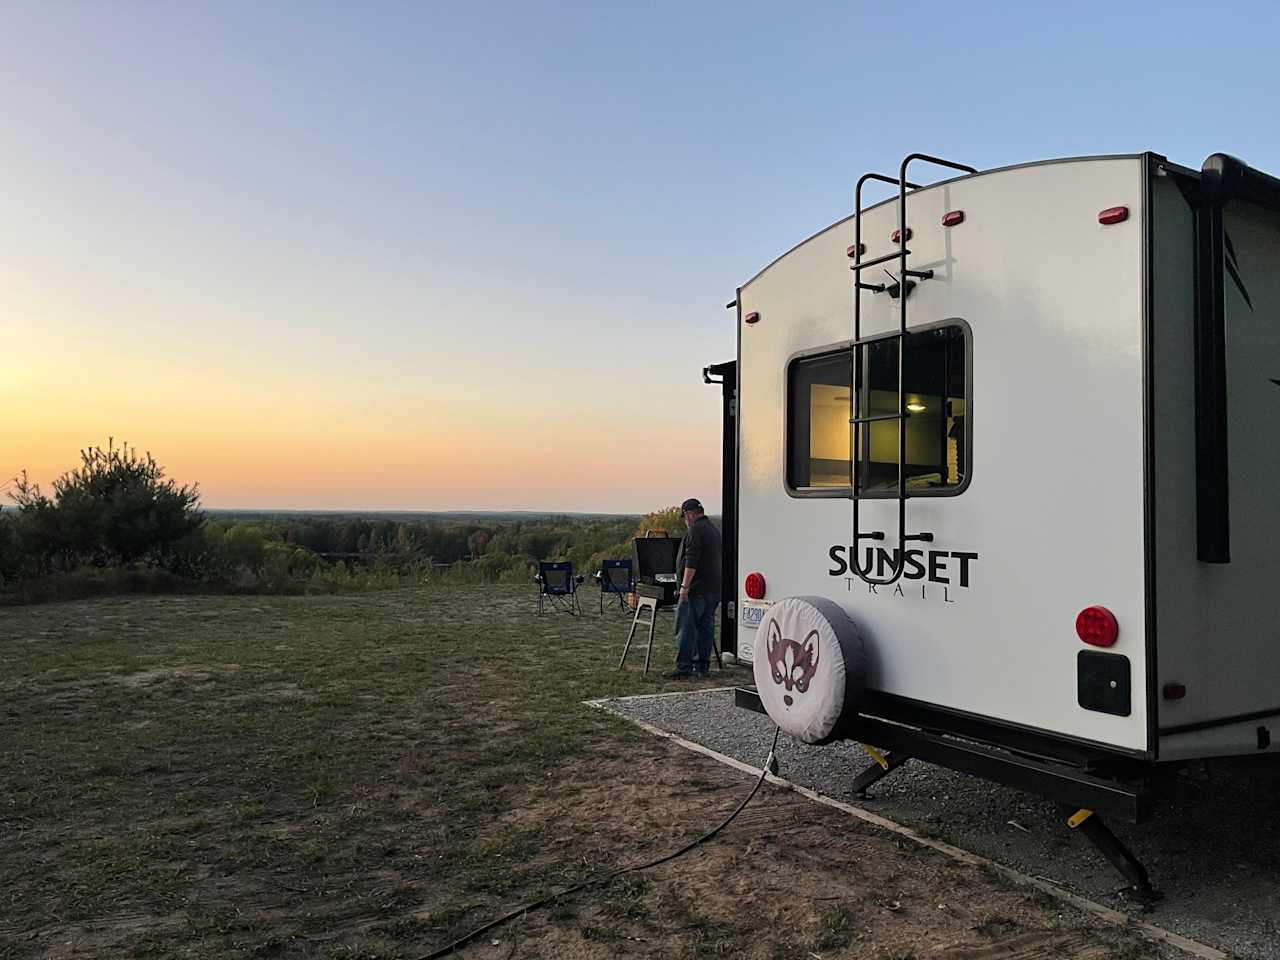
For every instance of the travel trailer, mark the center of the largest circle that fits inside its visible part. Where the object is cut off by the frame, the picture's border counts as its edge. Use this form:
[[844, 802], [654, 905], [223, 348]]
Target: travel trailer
[[1001, 472]]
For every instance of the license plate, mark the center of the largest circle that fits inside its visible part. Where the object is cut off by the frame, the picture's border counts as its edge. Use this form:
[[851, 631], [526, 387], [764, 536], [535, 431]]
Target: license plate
[[752, 612]]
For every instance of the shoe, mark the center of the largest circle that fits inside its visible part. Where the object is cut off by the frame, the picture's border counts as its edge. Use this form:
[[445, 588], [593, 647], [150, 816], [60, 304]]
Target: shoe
[[677, 675]]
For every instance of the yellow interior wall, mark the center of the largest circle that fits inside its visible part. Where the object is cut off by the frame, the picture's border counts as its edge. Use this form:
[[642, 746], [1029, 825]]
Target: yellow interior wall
[[829, 428], [828, 422]]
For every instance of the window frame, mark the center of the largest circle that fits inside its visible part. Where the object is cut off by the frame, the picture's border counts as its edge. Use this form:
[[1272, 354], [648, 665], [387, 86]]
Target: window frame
[[843, 346]]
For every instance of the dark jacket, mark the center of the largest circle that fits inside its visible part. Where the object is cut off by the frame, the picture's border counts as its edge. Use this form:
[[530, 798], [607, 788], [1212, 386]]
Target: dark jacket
[[700, 549]]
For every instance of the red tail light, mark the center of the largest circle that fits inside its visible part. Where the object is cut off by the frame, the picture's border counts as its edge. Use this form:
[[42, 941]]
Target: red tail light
[[1114, 215], [952, 217], [897, 235], [752, 318], [755, 586], [1097, 626], [855, 250]]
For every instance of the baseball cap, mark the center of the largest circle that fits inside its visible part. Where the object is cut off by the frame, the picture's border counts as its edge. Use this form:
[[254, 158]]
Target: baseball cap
[[690, 504]]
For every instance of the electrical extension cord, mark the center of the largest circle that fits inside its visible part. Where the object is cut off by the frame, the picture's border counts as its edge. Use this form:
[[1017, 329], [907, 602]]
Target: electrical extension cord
[[770, 767]]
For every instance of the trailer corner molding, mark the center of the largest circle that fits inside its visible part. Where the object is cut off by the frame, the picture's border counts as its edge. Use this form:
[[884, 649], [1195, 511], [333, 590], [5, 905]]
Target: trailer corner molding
[[814, 666]]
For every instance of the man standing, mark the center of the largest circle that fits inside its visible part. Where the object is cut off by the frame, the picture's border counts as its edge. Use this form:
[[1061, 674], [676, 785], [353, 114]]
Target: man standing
[[698, 570]]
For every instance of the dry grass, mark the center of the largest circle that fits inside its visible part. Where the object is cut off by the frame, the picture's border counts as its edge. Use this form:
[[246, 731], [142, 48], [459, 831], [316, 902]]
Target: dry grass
[[371, 776]]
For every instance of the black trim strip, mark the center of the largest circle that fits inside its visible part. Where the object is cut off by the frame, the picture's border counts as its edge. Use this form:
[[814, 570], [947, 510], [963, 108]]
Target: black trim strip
[[1132, 801], [1223, 722], [728, 374], [737, 466], [1002, 733], [1152, 163], [1213, 509]]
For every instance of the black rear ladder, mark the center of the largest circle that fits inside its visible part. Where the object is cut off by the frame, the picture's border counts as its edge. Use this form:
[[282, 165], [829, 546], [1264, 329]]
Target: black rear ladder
[[905, 280]]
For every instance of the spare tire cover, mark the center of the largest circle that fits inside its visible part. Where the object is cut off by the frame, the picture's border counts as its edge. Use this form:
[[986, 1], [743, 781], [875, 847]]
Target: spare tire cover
[[809, 666]]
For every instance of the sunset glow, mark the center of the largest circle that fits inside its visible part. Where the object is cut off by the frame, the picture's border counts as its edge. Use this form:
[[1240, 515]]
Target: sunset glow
[[398, 258]]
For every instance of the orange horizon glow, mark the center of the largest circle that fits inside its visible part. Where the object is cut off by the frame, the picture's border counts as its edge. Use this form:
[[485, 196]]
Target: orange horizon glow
[[275, 444]]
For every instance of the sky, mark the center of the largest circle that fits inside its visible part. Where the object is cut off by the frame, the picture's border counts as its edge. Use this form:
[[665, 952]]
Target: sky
[[439, 256]]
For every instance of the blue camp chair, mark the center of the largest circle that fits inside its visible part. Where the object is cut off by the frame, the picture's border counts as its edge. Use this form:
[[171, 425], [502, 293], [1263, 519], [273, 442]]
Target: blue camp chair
[[616, 581], [557, 586]]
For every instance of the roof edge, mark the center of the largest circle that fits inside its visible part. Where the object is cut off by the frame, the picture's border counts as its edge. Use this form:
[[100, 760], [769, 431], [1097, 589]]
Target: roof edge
[[939, 183]]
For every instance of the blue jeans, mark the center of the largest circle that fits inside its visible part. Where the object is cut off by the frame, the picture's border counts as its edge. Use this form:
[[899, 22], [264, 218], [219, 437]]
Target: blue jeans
[[695, 633]]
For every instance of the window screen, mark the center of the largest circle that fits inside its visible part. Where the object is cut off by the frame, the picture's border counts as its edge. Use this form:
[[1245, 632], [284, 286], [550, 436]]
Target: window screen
[[936, 388]]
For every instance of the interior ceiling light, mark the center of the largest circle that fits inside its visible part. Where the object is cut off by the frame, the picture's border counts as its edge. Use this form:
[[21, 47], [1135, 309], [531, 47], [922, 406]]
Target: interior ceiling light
[[915, 406]]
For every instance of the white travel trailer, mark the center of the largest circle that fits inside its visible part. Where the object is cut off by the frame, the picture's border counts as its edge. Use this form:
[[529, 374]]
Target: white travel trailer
[[1015, 436]]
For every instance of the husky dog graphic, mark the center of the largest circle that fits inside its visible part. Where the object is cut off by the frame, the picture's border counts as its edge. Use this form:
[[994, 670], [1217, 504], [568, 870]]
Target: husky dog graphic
[[793, 664]]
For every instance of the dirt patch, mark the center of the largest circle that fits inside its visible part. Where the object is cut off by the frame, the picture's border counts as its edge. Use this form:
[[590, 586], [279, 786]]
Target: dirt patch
[[788, 878], [103, 935], [188, 674]]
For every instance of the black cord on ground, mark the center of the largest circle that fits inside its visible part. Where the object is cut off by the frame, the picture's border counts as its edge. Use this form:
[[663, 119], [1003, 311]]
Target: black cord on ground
[[770, 766]]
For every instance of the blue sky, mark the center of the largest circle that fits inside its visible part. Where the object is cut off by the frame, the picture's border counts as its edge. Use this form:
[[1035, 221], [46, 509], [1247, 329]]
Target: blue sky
[[446, 250]]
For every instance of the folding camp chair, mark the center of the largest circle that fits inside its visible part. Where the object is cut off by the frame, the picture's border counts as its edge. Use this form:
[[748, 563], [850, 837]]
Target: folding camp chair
[[557, 586], [616, 581]]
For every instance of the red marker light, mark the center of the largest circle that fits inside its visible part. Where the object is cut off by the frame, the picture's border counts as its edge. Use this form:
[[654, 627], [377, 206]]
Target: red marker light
[[855, 250], [1113, 215], [755, 586], [1097, 626], [897, 235], [752, 318], [952, 217]]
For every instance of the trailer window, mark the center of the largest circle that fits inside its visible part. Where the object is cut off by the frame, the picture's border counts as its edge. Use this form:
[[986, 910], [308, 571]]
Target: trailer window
[[936, 393]]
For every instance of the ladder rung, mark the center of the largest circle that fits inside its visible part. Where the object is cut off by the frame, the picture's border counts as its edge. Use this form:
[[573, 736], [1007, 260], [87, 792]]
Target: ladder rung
[[881, 337], [911, 537], [879, 417], [878, 260]]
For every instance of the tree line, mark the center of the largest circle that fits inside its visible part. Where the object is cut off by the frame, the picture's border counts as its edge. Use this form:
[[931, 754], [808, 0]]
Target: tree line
[[117, 522]]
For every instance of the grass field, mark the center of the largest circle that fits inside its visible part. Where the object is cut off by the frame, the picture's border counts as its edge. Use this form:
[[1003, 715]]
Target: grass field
[[372, 776]]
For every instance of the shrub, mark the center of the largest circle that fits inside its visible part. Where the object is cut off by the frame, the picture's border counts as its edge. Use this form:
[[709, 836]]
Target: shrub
[[669, 521], [115, 509], [243, 545], [10, 549]]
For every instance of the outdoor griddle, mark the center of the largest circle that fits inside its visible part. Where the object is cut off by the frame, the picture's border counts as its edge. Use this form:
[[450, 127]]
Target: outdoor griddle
[[656, 569]]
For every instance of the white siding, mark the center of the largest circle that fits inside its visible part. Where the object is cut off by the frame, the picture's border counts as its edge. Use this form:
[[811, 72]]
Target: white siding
[[1055, 507]]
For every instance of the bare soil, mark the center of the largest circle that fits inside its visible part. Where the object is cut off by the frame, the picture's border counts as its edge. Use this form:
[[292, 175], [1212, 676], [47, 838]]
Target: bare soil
[[789, 878]]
